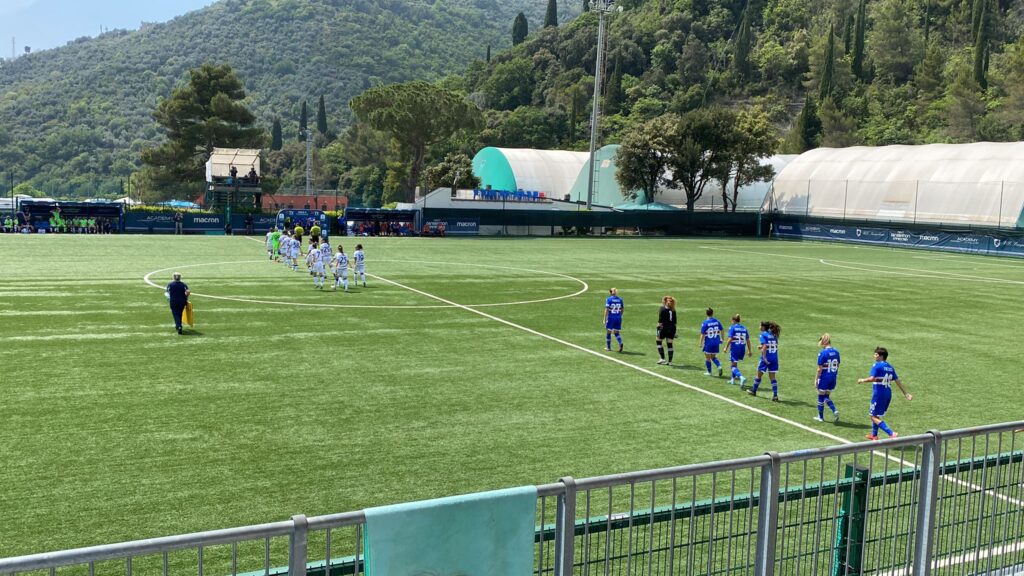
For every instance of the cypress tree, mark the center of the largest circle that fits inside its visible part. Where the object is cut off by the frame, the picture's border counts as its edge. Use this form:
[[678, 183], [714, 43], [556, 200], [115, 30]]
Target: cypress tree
[[520, 29], [488, 53], [275, 135], [551, 16], [848, 34], [586, 6], [857, 64], [825, 82], [741, 50], [981, 46], [807, 129], [613, 99], [321, 117], [303, 122]]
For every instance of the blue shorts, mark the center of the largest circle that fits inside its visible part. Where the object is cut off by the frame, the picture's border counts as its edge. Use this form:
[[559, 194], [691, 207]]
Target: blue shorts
[[879, 405], [737, 354], [826, 386], [711, 347], [613, 323], [768, 366]]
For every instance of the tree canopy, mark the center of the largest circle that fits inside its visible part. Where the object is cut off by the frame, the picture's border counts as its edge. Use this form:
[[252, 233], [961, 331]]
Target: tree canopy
[[206, 113], [416, 115]]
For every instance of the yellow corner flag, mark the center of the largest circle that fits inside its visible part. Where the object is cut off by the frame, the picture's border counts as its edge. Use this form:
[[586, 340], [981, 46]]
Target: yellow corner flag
[[189, 316]]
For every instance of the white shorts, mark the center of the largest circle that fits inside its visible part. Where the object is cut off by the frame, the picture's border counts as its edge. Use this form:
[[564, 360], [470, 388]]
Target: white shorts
[[318, 268], [360, 268], [341, 272]]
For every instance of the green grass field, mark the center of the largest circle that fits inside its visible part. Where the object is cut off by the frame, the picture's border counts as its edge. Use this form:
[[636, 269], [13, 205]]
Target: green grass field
[[466, 364]]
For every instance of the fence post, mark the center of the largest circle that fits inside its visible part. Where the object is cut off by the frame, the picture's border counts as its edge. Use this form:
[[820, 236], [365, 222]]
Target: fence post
[[849, 546], [565, 528], [297, 546], [926, 503], [768, 516]]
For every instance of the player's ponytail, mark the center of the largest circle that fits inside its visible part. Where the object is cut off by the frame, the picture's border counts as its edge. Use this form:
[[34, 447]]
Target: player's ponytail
[[774, 328]]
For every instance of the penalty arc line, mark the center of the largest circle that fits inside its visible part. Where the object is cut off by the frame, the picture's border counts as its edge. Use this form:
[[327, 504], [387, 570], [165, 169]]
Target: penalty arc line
[[681, 384]]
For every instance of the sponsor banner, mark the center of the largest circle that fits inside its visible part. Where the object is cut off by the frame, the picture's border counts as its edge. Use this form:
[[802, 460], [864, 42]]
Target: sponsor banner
[[937, 240], [149, 222], [457, 226], [261, 223], [203, 222]]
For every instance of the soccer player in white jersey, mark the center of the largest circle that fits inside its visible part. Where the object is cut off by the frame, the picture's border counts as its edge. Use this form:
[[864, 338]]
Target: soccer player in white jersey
[[325, 251], [316, 266], [296, 245], [340, 268], [309, 257], [360, 260], [270, 243]]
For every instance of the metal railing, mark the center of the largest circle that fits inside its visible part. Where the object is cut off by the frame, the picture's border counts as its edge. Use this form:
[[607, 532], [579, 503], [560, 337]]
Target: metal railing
[[935, 503]]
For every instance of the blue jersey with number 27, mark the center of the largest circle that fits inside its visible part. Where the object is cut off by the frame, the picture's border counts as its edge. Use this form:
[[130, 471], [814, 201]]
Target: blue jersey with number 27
[[614, 306]]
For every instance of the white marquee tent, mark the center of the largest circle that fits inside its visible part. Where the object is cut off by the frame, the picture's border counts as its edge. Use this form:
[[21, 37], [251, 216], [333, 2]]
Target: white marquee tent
[[979, 184], [222, 159]]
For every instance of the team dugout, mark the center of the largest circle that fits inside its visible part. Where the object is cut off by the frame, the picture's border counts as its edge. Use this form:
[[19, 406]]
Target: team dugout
[[72, 217]]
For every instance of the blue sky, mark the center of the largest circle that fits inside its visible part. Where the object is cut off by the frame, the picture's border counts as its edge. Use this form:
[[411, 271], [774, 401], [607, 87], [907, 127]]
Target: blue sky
[[44, 24]]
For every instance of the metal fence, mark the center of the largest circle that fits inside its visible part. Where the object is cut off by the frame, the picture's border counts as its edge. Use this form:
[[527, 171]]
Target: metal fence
[[937, 503]]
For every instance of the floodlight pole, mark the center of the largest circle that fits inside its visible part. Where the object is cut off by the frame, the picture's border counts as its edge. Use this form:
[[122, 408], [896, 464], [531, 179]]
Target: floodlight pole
[[601, 7], [309, 162]]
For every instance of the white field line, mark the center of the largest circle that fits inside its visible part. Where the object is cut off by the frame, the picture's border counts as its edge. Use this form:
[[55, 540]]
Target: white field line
[[934, 274], [585, 288], [963, 558]]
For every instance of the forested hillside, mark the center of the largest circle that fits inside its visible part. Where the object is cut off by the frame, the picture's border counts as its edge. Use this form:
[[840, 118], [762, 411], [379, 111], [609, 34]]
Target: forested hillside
[[861, 71], [73, 120], [820, 72]]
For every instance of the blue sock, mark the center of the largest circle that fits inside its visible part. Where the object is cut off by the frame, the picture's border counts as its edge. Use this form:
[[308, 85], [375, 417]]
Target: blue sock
[[619, 338], [775, 388], [717, 363], [708, 364], [736, 372], [831, 406], [821, 406], [874, 429], [885, 428], [757, 382], [608, 339]]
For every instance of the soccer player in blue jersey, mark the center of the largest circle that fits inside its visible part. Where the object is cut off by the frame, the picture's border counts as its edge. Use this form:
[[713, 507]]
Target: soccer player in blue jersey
[[825, 380], [613, 319], [739, 347], [883, 375], [769, 358], [711, 341]]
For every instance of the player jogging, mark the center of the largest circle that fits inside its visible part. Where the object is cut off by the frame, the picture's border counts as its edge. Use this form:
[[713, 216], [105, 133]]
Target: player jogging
[[883, 375], [825, 380], [666, 328], [325, 251], [340, 268], [612, 319], [294, 250], [316, 266], [739, 347], [360, 262], [270, 244], [769, 358], [711, 341]]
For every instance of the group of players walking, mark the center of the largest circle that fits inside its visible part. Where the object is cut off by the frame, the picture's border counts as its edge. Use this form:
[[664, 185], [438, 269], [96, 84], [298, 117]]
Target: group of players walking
[[737, 342], [286, 247]]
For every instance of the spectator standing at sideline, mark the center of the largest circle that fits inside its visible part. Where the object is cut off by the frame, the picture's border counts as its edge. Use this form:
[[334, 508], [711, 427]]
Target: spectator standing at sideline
[[178, 218], [177, 293]]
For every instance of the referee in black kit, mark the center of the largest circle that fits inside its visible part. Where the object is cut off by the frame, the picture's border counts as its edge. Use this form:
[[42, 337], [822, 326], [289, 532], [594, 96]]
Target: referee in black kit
[[666, 328], [177, 294]]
